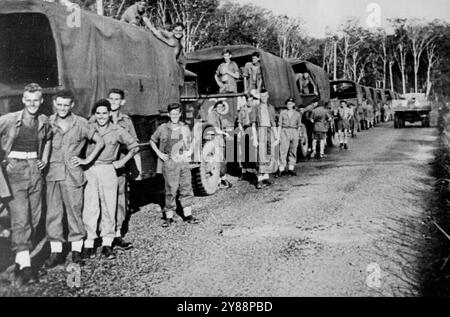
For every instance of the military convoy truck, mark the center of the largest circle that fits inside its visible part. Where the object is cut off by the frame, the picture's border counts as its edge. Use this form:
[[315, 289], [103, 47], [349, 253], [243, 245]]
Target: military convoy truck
[[411, 108], [319, 87], [91, 54]]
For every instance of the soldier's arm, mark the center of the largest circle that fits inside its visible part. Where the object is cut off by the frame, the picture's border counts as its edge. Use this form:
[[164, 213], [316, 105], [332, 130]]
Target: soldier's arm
[[99, 145], [235, 71], [163, 36], [132, 146]]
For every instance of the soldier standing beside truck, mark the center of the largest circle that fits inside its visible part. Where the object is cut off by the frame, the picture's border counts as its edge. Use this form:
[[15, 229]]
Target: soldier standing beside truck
[[289, 125], [265, 139], [66, 179], [320, 118], [25, 142], [343, 124], [117, 99], [102, 180], [217, 120], [175, 149]]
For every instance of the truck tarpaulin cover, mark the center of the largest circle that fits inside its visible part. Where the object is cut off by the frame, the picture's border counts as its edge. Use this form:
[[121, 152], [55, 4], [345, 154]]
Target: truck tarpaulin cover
[[279, 78], [103, 53], [319, 76]]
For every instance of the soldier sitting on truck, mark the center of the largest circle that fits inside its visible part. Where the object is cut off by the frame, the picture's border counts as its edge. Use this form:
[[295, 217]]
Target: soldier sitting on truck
[[175, 149], [135, 14], [173, 38], [227, 74], [253, 74]]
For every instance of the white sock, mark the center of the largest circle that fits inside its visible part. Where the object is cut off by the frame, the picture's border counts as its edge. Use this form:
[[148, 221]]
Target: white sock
[[282, 168], [88, 244], [266, 177], [107, 241], [77, 246], [23, 259], [56, 247], [291, 168], [187, 212], [118, 234]]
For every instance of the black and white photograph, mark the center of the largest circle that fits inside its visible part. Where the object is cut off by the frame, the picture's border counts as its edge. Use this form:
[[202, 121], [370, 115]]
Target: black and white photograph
[[224, 149]]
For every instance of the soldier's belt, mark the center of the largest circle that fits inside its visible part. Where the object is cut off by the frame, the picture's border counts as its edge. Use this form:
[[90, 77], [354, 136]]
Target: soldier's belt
[[23, 155]]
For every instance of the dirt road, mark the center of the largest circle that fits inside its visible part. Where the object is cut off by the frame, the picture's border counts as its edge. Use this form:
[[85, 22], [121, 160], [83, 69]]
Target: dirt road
[[350, 225]]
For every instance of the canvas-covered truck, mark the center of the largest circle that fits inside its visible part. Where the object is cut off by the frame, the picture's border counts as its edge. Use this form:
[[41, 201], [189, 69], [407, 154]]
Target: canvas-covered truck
[[62, 48], [277, 75], [312, 81], [368, 108], [352, 93], [411, 108]]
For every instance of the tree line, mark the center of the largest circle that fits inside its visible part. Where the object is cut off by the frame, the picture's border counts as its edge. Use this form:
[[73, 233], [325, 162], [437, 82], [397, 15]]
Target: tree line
[[413, 58]]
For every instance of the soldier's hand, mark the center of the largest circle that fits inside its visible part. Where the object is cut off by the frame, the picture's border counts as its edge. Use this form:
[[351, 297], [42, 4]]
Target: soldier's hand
[[255, 143], [164, 157], [41, 164], [76, 161], [118, 164]]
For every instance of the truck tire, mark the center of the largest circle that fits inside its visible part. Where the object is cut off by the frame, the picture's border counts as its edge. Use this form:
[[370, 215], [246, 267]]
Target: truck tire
[[205, 178], [396, 123], [303, 145]]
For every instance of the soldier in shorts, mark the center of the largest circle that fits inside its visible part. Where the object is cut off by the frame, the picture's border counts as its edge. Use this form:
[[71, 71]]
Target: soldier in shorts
[[320, 118], [343, 125]]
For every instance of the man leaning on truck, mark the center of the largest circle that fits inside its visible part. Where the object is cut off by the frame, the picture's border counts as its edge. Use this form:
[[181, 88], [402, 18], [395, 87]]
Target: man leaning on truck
[[25, 141]]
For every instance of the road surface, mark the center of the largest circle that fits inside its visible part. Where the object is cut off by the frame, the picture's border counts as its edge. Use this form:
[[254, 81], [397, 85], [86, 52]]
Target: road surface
[[349, 225]]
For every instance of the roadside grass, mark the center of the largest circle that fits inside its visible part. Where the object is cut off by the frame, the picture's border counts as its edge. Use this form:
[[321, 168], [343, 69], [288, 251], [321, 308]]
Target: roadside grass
[[436, 253]]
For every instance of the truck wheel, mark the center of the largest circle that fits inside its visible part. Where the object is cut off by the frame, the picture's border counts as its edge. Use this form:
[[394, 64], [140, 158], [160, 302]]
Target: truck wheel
[[396, 123], [303, 146], [205, 178]]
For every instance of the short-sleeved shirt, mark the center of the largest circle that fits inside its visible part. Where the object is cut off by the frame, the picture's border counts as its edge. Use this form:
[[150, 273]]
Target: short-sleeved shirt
[[125, 122], [114, 136], [65, 146], [320, 117], [244, 116], [259, 115], [294, 121], [253, 74], [229, 82], [345, 113], [172, 141]]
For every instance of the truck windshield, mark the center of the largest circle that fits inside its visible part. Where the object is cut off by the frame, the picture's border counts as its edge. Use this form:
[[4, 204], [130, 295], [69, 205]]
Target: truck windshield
[[206, 70], [344, 90], [28, 51]]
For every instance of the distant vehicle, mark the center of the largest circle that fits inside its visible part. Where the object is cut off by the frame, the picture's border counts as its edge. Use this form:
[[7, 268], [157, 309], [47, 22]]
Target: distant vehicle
[[411, 108], [368, 108], [321, 84], [351, 92], [277, 76], [38, 45]]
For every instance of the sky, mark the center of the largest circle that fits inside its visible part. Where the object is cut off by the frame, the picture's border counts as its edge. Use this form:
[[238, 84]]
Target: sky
[[318, 14]]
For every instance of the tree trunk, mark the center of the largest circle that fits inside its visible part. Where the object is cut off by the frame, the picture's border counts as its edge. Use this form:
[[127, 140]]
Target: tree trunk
[[391, 75], [100, 7], [335, 61]]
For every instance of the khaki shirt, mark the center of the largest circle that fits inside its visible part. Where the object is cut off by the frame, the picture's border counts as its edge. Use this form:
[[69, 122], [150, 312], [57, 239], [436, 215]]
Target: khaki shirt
[[172, 142], [125, 122], [230, 83], [65, 146], [114, 136], [320, 117], [294, 121], [259, 114], [9, 130]]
